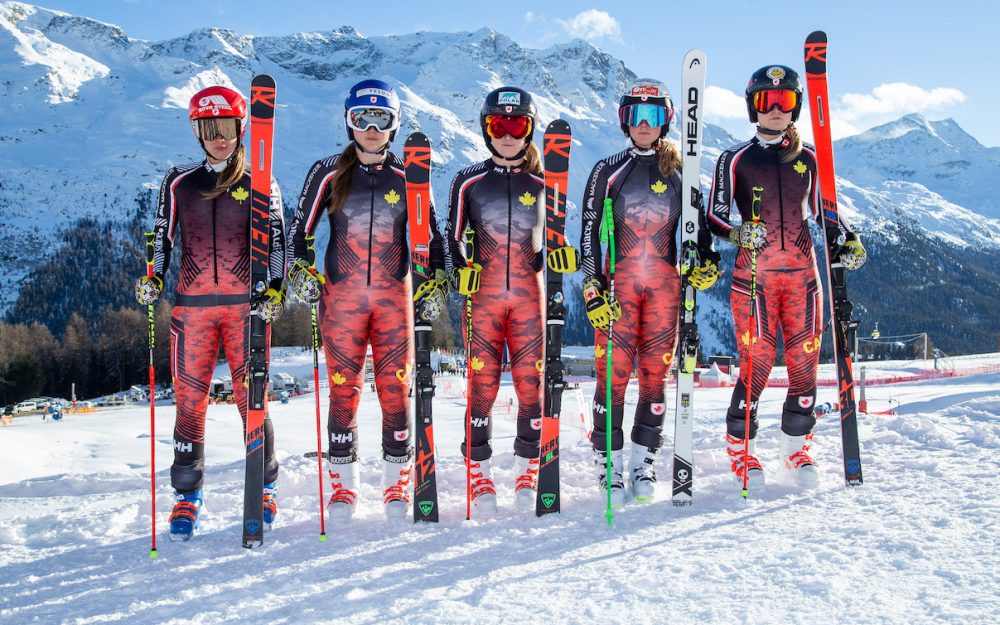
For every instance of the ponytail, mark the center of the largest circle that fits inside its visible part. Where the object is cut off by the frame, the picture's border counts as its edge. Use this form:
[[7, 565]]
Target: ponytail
[[342, 178], [667, 157], [232, 174], [532, 160], [794, 148]]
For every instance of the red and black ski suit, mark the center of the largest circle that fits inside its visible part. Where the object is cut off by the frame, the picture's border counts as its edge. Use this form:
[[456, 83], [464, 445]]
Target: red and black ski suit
[[788, 287], [367, 296], [213, 302], [505, 208], [646, 209]]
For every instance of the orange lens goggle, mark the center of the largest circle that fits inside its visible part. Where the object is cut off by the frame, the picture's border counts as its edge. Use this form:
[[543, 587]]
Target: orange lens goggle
[[499, 126], [784, 99]]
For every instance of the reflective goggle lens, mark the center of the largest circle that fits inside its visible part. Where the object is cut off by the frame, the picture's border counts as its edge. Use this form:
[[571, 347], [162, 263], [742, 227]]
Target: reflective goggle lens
[[653, 114], [764, 101], [363, 118], [499, 126], [210, 129]]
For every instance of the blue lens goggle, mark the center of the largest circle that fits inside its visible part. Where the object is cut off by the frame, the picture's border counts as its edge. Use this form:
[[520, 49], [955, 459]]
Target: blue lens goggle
[[653, 114]]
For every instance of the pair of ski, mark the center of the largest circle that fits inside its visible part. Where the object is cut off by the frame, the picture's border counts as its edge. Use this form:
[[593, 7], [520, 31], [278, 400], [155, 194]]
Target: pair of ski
[[417, 168], [844, 327]]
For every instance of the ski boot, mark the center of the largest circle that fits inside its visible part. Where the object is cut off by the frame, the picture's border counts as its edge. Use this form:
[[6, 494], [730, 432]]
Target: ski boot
[[345, 481], [755, 472], [800, 468], [484, 492], [396, 472], [641, 473], [184, 516], [525, 482], [617, 482], [270, 504]]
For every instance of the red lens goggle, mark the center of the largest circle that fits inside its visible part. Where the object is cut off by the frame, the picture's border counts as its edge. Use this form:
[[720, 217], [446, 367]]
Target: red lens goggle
[[499, 126], [764, 101]]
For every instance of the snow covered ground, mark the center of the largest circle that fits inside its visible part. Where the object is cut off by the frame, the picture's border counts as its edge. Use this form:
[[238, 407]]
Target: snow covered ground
[[916, 544]]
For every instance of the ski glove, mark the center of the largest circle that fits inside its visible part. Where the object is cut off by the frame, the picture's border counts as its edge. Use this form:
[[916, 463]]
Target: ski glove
[[852, 253], [602, 309], [147, 290], [269, 304], [305, 282], [564, 259], [707, 272], [466, 279], [751, 235], [429, 298]]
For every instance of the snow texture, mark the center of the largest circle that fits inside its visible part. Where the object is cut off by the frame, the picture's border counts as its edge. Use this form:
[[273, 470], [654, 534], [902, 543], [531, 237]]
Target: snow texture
[[915, 544]]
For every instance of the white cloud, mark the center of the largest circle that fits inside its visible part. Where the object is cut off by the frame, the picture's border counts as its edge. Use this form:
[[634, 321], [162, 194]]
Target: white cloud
[[593, 24], [723, 103], [891, 100], [529, 17]]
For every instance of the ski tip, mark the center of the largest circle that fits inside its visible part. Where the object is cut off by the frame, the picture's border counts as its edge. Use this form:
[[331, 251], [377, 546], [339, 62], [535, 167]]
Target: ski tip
[[816, 36], [694, 57], [417, 137], [557, 125], [262, 80], [153, 554]]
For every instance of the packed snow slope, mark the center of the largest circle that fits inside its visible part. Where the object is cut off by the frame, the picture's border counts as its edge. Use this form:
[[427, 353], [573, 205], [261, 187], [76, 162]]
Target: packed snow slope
[[915, 544]]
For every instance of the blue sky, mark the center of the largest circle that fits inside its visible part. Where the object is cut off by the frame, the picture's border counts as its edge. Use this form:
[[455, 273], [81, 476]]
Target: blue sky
[[887, 58]]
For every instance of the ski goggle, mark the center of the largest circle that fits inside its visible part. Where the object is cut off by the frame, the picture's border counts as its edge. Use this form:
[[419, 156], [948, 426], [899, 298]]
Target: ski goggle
[[784, 99], [653, 114], [212, 128], [364, 117], [499, 126]]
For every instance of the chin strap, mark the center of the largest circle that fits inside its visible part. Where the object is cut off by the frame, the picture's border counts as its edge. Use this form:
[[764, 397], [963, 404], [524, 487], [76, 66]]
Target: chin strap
[[645, 151]]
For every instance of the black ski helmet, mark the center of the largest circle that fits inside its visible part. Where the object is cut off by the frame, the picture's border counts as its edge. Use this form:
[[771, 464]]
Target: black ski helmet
[[646, 91], [773, 77], [508, 101]]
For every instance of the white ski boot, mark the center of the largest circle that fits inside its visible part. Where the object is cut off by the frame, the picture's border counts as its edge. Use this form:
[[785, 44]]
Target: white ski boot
[[800, 468], [617, 482], [525, 482], [641, 473], [484, 492], [396, 472], [345, 480], [755, 472]]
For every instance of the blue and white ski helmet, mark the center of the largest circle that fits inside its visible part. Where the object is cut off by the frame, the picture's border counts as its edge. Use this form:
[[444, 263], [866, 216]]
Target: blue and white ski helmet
[[373, 94]]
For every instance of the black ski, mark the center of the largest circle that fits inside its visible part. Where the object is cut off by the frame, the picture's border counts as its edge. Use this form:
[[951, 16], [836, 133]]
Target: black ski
[[417, 166], [558, 140], [262, 96]]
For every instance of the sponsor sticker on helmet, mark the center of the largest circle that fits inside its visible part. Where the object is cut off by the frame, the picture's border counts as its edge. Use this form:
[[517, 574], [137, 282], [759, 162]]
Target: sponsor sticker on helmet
[[509, 97], [776, 73], [215, 103], [645, 91], [373, 91]]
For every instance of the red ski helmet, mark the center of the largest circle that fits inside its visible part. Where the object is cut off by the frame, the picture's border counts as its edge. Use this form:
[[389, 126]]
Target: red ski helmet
[[217, 102]]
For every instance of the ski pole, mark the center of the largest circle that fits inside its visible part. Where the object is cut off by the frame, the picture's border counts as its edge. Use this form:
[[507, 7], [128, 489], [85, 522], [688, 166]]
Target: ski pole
[[468, 238], [150, 248], [758, 193], [311, 258], [608, 238]]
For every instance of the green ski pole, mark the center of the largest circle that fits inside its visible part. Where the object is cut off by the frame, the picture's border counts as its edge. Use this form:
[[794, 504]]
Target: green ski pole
[[608, 238]]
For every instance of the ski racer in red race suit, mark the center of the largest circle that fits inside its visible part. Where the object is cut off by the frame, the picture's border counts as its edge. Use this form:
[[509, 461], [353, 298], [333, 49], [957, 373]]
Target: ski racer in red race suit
[[643, 184], [365, 295], [500, 202], [776, 173], [209, 203]]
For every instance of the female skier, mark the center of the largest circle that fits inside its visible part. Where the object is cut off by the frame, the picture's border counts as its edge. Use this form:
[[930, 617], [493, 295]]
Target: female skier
[[365, 295], [210, 203], [496, 209], [643, 185], [772, 179]]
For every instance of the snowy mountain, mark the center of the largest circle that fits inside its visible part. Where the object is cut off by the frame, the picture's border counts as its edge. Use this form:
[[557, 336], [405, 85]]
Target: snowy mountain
[[90, 119]]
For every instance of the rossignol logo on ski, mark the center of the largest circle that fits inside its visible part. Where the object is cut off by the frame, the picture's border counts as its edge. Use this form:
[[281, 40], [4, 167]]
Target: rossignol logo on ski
[[426, 507], [548, 499]]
